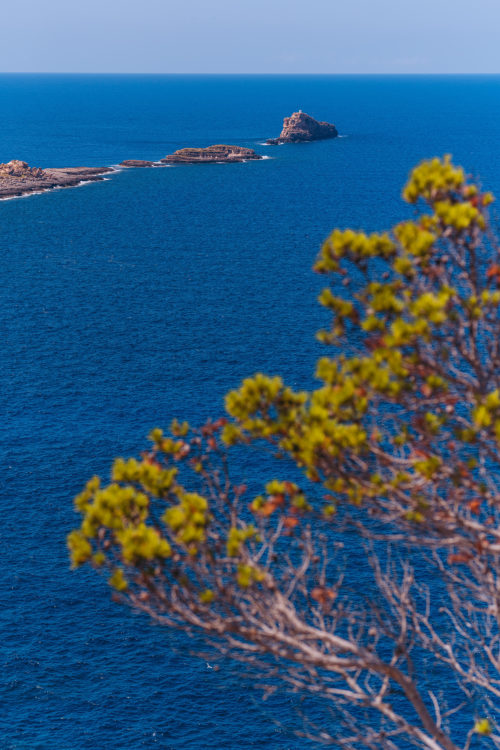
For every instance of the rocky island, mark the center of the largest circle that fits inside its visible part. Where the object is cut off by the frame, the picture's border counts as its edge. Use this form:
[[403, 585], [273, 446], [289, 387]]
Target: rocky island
[[300, 128], [17, 178], [211, 154], [136, 163]]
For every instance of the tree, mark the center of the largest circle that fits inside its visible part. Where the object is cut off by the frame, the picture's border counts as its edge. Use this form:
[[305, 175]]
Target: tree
[[397, 450]]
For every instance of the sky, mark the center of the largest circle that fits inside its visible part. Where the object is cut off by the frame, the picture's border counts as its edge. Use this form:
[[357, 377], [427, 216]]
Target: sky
[[260, 36]]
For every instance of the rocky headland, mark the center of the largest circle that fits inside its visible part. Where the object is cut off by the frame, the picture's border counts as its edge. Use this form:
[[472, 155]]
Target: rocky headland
[[218, 153], [300, 128], [17, 178], [136, 163]]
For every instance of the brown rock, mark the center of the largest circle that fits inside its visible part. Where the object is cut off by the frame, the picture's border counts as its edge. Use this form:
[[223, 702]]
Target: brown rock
[[218, 153], [20, 169], [17, 178], [299, 128], [136, 163]]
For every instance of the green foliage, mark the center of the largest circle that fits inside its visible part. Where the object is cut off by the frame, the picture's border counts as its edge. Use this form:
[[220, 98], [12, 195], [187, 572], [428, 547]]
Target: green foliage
[[407, 321], [404, 422], [483, 726]]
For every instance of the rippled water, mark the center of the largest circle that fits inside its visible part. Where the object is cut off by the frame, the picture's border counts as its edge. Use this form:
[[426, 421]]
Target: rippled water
[[127, 302]]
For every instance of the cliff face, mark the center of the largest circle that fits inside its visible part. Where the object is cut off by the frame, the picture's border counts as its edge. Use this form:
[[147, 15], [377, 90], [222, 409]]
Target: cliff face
[[300, 127], [211, 154]]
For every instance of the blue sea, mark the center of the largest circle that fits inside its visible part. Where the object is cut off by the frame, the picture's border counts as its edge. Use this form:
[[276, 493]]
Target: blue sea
[[127, 302]]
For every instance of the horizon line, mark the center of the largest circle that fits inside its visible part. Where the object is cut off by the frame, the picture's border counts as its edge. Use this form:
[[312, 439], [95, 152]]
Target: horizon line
[[235, 75]]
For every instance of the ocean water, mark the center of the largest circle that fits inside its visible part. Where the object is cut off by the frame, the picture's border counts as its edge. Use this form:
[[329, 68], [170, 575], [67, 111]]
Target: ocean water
[[128, 302]]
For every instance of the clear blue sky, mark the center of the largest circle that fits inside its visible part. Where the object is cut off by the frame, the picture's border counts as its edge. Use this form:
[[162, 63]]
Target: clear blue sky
[[260, 36]]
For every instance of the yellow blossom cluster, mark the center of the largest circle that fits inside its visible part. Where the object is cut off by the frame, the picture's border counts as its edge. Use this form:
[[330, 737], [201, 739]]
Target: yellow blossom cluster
[[189, 519], [433, 178]]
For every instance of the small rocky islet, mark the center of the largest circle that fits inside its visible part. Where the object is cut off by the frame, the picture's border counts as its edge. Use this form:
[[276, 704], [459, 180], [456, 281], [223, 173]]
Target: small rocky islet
[[211, 154], [18, 178], [218, 153], [302, 128], [136, 163]]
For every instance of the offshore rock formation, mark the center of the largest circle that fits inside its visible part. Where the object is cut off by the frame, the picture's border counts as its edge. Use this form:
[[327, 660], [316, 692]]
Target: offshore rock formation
[[136, 163], [218, 153], [17, 178], [299, 128]]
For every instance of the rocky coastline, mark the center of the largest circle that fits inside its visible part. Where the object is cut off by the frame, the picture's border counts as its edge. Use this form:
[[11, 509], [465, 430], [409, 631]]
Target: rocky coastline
[[17, 178], [302, 128], [211, 154]]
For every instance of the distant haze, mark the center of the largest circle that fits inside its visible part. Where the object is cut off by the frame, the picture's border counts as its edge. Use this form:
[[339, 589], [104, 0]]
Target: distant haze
[[261, 36]]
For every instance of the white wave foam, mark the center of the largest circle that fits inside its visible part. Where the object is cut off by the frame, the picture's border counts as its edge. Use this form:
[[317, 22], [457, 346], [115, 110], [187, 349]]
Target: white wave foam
[[29, 193], [23, 195]]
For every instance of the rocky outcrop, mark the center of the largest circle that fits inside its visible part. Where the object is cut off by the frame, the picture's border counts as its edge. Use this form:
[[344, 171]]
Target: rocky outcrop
[[136, 163], [20, 169], [300, 128], [17, 178], [218, 153]]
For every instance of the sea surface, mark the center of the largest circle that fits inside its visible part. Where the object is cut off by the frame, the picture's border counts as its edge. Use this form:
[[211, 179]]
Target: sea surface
[[127, 302]]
